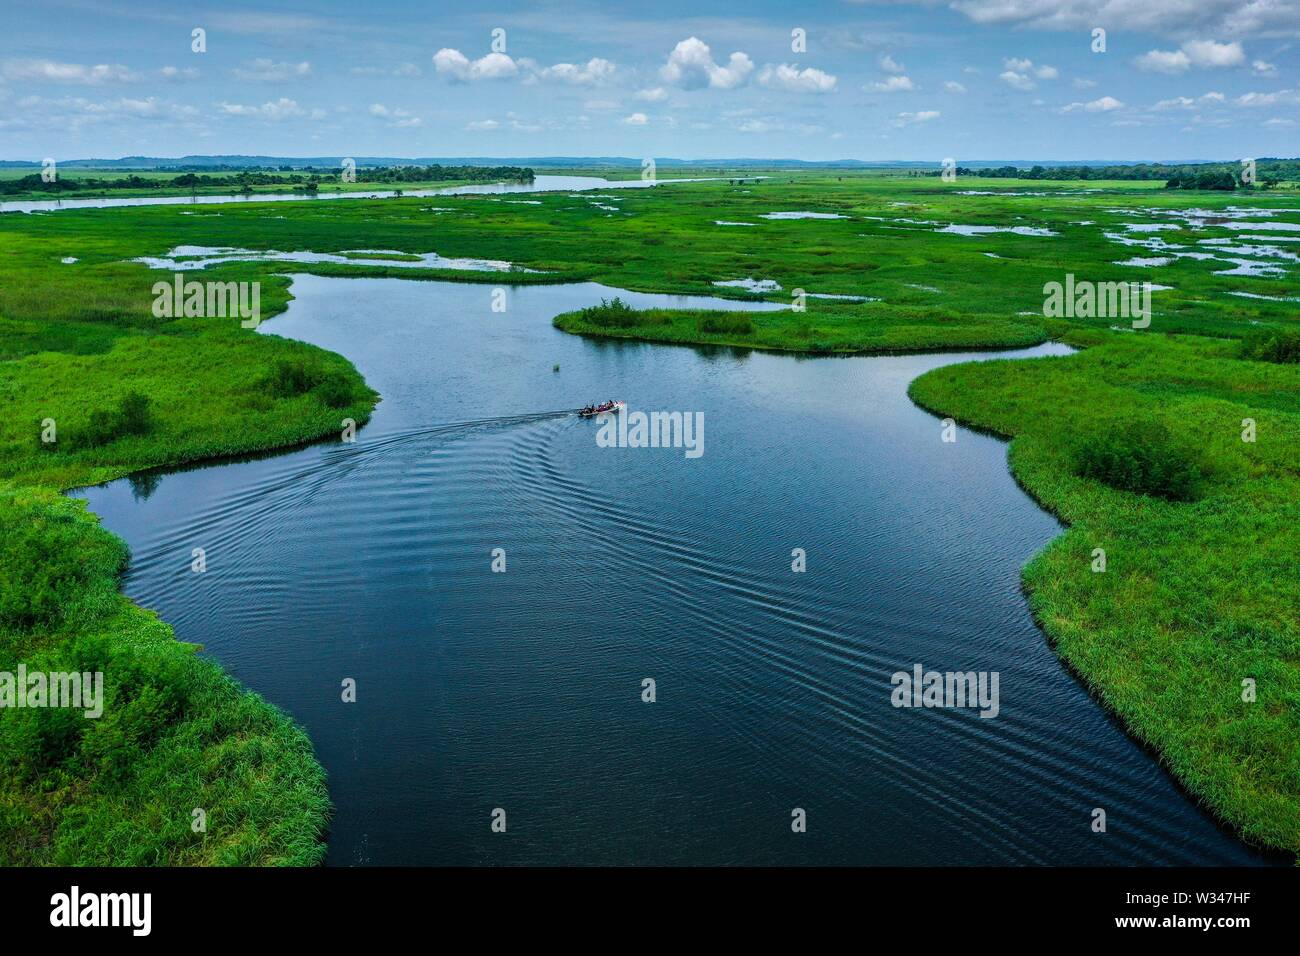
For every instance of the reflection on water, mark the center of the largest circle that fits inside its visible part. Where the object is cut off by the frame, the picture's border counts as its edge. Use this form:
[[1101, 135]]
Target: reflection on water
[[522, 690]]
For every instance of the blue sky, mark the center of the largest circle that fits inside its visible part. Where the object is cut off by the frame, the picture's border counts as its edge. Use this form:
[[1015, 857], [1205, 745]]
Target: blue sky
[[877, 79]]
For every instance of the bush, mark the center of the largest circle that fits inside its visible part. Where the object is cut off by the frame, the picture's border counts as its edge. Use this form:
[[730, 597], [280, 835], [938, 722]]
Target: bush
[[1141, 457], [1272, 345], [289, 379], [613, 314], [335, 390], [133, 416], [726, 325], [52, 559]]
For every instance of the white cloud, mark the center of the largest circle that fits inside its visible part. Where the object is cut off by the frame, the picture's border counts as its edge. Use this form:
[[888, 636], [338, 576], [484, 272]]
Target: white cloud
[[1017, 80], [1200, 53], [177, 74], [1264, 68], [912, 119], [456, 66], [1177, 18], [1279, 97], [655, 94], [402, 69], [1021, 69], [281, 109], [794, 80], [691, 66], [1080, 83], [54, 72], [894, 84], [890, 65], [399, 118], [636, 119], [1103, 105], [1211, 54], [487, 124], [952, 86], [269, 71], [595, 71]]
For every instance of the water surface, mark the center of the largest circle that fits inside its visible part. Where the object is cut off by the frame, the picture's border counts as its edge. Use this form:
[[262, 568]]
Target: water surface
[[522, 690], [540, 184]]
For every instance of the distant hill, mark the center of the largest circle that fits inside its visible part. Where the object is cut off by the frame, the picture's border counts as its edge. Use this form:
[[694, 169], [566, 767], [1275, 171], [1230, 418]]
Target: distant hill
[[191, 163]]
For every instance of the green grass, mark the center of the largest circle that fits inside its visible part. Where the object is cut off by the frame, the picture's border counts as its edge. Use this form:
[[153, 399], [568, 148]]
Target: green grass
[[1198, 596], [1201, 591]]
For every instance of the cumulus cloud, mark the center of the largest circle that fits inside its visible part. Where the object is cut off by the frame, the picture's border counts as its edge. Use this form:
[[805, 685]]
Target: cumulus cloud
[[595, 71], [276, 110], [1019, 81], [890, 65], [794, 80], [177, 74], [51, 71], [636, 119], [269, 71], [913, 119], [952, 86], [456, 66], [481, 125], [656, 94], [1199, 53], [1168, 17], [1212, 98], [399, 118], [1020, 73], [1103, 105], [1264, 68], [1286, 97], [691, 66], [894, 84], [73, 113]]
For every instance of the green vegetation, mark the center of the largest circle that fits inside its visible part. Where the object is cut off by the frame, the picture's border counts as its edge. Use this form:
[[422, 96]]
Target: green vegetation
[[1269, 172], [1197, 596], [83, 182], [1200, 529], [1272, 345], [1141, 457]]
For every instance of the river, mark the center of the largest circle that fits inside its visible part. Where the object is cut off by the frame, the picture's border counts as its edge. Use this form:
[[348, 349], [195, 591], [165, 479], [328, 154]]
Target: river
[[522, 690]]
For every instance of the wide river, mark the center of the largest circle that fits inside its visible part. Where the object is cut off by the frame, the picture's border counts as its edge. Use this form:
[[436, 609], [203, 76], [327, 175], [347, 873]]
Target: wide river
[[522, 690]]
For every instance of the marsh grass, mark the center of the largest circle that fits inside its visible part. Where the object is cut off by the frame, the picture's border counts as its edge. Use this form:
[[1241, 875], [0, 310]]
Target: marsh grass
[[1201, 591]]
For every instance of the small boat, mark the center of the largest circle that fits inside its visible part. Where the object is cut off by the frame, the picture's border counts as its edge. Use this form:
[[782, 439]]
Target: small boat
[[611, 407]]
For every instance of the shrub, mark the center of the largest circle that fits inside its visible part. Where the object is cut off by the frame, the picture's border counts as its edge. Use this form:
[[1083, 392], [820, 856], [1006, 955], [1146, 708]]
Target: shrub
[[612, 314], [288, 379], [1141, 457], [726, 324], [1272, 345], [133, 416], [52, 560], [335, 390]]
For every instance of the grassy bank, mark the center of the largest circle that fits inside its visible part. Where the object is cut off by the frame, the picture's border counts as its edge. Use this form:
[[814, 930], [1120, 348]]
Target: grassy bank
[[835, 328], [177, 735], [1197, 596], [1200, 591]]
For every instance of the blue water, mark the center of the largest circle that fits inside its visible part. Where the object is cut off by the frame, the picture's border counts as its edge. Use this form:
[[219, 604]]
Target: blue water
[[523, 690]]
